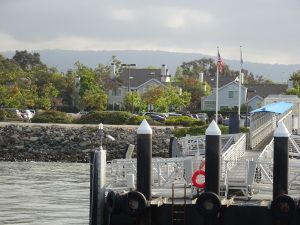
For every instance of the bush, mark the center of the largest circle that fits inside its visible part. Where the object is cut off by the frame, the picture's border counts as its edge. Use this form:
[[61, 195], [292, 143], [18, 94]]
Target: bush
[[244, 130], [196, 131], [2, 115], [200, 130], [135, 120], [51, 117], [105, 117], [181, 120]]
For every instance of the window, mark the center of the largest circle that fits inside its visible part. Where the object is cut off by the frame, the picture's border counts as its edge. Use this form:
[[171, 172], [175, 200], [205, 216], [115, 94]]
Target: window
[[209, 105], [116, 92], [233, 94]]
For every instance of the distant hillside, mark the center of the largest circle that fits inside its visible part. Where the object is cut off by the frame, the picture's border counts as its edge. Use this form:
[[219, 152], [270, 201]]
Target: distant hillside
[[65, 59]]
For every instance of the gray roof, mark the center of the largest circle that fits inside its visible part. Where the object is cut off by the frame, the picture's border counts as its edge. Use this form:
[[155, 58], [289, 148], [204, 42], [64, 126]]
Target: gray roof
[[263, 90], [222, 81], [140, 76]]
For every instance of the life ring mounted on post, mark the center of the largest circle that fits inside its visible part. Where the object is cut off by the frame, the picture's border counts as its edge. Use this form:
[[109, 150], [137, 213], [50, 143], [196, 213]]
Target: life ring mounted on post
[[194, 178]]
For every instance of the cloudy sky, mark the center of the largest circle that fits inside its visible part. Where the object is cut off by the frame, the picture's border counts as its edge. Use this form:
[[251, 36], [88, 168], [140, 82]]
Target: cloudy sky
[[267, 30]]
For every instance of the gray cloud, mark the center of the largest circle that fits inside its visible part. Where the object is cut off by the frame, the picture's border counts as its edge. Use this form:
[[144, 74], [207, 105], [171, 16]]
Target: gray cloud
[[267, 29]]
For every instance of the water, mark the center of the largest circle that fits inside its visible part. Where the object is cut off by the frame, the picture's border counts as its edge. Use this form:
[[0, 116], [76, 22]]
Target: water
[[38, 193]]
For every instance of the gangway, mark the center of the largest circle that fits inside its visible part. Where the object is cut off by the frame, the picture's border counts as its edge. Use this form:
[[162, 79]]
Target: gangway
[[265, 120]]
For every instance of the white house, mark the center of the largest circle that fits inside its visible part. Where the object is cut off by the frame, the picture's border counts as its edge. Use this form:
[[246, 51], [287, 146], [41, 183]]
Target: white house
[[137, 80]]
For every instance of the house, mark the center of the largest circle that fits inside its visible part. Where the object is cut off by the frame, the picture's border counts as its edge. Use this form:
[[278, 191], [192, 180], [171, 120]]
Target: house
[[228, 92], [137, 80]]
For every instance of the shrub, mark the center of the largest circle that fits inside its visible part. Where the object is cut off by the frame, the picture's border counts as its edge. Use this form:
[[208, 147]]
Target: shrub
[[244, 130], [181, 120], [51, 117], [135, 120], [105, 117], [2, 115], [196, 131]]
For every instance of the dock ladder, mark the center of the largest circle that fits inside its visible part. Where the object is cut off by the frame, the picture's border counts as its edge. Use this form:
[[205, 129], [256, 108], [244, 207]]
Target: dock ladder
[[178, 209]]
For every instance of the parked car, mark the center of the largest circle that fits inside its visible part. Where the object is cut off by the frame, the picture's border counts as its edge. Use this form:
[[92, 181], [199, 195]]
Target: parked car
[[26, 114], [203, 116], [155, 113], [220, 118], [174, 114], [226, 121], [157, 118], [195, 116]]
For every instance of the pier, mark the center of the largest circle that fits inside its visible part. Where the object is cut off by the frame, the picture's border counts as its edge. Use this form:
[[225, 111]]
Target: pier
[[209, 179]]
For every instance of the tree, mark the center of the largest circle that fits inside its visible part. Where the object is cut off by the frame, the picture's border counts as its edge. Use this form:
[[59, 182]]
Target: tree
[[133, 102], [295, 90], [27, 60], [95, 98], [196, 89], [172, 98], [152, 94]]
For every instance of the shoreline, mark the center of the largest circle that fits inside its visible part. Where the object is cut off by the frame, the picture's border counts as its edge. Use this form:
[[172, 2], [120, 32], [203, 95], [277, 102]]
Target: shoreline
[[71, 143]]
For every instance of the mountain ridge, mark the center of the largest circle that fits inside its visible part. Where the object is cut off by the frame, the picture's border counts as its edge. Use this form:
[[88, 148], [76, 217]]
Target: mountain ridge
[[65, 59]]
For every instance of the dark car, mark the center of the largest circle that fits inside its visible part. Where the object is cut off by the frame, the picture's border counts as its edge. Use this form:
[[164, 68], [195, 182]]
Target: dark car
[[203, 116], [195, 116], [220, 118], [157, 118]]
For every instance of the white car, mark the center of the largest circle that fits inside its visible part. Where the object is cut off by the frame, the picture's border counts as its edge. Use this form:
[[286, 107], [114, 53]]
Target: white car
[[27, 114]]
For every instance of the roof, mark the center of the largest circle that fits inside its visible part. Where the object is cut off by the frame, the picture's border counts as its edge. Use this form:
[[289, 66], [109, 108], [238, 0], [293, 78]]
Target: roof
[[264, 90], [140, 76], [277, 107], [222, 80]]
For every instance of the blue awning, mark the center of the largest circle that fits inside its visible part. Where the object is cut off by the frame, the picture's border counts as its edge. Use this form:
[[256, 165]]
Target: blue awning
[[277, 107]]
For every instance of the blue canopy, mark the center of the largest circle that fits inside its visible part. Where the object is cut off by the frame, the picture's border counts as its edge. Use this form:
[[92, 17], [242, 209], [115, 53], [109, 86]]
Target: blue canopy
[[277, 107]]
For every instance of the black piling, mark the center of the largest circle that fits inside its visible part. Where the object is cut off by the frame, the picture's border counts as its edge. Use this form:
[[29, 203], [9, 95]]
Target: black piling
[[144, 167], [281, 161], [212, 158]]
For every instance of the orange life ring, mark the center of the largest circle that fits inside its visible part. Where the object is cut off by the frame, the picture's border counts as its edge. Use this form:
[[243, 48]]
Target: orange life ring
[[194, 178]]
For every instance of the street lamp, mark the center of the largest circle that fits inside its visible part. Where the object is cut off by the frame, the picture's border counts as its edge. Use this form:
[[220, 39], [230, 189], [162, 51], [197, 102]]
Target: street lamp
[[101, 135], [128, 65]]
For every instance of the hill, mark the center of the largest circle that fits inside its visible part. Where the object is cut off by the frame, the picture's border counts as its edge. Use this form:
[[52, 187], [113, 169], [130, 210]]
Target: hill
[[65, 59]]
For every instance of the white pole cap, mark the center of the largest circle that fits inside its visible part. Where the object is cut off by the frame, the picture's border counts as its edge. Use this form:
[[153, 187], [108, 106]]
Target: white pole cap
[[281, 131], [144, 128], [213, 129]]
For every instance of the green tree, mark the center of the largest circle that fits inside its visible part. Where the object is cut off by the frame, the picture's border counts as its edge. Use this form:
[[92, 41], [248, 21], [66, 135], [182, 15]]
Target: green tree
[[133, 102], [196, 89], [151, 96], [27, 60], [172, 98]]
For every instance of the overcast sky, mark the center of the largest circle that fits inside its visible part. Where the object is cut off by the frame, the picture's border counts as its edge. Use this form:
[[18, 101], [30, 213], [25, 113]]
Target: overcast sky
[[267, 30]]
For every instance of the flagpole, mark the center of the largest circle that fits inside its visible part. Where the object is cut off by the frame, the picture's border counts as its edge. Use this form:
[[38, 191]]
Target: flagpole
[[217, 87], [240, 85]]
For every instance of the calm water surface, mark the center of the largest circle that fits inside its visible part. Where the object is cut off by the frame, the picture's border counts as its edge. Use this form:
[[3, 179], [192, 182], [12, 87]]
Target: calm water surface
[[44, 193]]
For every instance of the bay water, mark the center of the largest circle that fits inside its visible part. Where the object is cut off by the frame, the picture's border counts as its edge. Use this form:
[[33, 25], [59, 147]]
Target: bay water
[[44, 193]]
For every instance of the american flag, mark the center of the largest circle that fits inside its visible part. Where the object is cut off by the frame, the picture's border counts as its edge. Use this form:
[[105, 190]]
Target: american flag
[[220, 62]]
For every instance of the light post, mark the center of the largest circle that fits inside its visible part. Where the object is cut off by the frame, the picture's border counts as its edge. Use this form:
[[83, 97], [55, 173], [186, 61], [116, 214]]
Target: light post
[[128, 65], [101, 136]]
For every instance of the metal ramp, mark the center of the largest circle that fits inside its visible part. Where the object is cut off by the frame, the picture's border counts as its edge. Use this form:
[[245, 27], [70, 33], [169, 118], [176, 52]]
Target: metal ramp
[[265, 120], [254, 172]]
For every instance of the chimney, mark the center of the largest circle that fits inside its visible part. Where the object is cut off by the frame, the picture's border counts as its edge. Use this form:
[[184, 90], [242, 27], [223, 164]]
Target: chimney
[[112, 70], [167, 76], [201, 77], [163, 73]]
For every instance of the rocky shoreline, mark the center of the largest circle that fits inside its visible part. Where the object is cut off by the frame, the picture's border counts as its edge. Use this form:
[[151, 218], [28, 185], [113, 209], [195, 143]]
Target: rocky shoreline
[[59, 143]]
